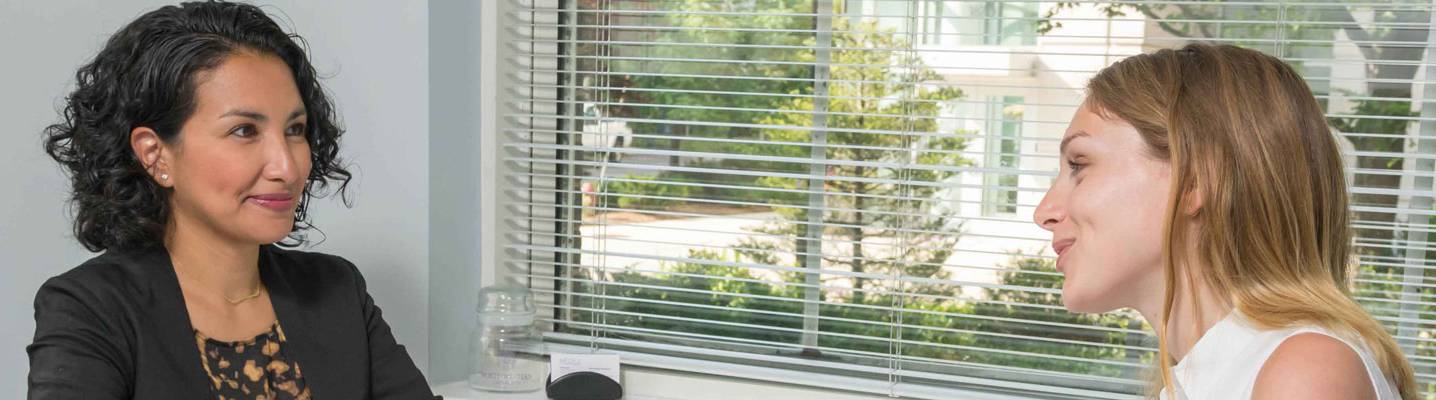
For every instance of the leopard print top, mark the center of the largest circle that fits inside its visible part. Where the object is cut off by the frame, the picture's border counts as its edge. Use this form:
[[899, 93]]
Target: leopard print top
[[254, 369]]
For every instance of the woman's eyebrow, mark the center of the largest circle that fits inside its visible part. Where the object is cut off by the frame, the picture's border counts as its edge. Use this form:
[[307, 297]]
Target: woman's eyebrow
[[254, 115], [1063, 149], [258, 116]]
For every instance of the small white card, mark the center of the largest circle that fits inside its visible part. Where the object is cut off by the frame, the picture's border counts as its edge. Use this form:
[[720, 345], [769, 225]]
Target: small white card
[[560, 364]]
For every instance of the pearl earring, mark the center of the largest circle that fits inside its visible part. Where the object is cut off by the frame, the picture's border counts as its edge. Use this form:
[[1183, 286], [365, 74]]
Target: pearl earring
[[165, 176]]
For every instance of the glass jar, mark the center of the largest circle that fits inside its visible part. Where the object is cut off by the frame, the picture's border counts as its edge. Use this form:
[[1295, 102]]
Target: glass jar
[[505, 349]]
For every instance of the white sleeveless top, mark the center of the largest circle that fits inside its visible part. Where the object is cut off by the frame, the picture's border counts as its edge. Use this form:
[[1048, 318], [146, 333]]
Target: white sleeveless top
[[1225, 361]]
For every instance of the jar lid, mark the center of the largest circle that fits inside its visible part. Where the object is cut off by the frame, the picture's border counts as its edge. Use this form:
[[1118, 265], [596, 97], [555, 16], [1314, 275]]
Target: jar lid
[[506, 305]]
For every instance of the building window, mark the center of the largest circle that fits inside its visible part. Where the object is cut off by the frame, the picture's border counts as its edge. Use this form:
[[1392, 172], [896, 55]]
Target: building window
[[1003, 154]]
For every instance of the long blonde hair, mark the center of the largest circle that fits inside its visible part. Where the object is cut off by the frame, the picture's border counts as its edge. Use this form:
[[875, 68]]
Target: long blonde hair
[[1245, 137]]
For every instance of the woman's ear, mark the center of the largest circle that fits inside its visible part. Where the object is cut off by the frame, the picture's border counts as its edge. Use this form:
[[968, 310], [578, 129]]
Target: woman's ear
[[150, 150], [1192, 201]]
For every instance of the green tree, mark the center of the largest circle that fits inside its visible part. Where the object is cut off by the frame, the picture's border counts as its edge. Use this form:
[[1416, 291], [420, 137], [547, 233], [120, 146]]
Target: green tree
[[885, 228], [885, 161], [721, 72]]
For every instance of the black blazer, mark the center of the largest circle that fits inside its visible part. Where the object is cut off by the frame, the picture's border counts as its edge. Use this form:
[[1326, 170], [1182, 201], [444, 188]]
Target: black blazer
[[116, 327]]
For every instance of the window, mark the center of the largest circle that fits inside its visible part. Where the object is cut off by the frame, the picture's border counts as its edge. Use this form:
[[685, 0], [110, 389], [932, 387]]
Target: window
[[1003, 154], [845, 187], [1009, 23], [953, 23]]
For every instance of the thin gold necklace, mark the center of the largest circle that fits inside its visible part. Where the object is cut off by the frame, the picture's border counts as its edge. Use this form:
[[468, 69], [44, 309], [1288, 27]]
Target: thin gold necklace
[[257, 291]]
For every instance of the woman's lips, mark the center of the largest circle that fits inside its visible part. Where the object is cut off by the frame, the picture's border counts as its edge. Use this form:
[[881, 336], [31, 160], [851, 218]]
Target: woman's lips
[[276, 202], [1061, 247]]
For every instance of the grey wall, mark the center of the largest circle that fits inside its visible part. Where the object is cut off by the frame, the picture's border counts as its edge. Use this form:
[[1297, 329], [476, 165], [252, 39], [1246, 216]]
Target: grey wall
[[453, 183], [375, 54]]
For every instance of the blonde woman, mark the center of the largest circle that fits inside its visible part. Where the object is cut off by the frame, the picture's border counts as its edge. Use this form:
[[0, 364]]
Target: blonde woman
[[1203, 188]]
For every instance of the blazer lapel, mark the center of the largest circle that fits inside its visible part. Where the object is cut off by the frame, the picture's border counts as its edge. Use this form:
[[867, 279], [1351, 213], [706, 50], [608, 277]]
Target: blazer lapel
[[303, 324], [169, 320]]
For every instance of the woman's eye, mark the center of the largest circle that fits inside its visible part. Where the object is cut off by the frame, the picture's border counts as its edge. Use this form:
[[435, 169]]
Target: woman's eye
[[296, 130], [1074, 166], [243, 131]]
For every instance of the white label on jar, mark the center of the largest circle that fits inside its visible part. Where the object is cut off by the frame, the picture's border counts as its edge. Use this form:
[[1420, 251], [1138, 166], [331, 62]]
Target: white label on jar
[[510, 374]]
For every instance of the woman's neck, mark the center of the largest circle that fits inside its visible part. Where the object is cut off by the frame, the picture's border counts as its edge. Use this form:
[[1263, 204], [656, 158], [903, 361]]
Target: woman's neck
[[211, 262], [1195, 310]]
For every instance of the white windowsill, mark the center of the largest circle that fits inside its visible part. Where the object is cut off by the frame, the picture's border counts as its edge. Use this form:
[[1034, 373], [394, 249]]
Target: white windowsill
[[641, 383], [647, 376]]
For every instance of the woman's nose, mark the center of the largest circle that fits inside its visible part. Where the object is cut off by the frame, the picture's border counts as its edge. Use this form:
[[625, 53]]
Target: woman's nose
[[1051, 210], [279, 161]]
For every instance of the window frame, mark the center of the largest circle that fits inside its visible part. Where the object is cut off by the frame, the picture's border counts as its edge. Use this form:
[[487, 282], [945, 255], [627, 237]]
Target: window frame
[[489, 250]]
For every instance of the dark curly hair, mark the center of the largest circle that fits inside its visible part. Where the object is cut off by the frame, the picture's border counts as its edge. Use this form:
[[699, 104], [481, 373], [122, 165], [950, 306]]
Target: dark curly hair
[[145, 77]]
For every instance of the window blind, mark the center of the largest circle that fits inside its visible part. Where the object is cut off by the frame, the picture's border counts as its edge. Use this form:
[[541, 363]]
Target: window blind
[[846, 187]]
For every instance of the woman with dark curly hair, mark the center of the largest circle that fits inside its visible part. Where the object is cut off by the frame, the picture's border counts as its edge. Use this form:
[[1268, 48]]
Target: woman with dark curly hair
[[194, 141]]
